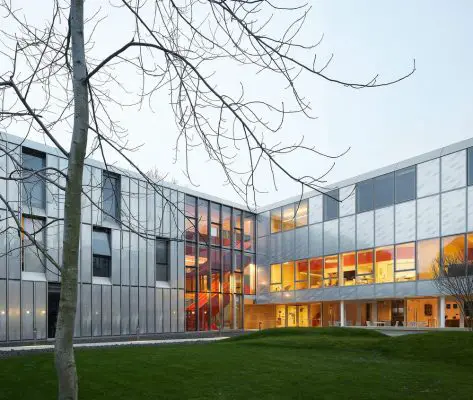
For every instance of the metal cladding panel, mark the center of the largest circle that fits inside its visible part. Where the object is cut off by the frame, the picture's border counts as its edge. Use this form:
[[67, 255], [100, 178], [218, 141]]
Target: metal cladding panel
[[3, 309], [13, 186], [470, 210], [125, 200], [365, 291], [125, 310], [315, 295], [54, 245], [426, 288], [302, 242], [384, 290], [275, 297], [315, 240], [181, 311], [331, 237], [52, 191], [384, 226], [262, 278], [347, 196], [142, 205], [150, 261], [288, 245], [331, 293], [174, 308], [166, 213], [150, 209], [13, 245], [347, 233], [262, 245], [405, 289], [106, 310], [276, 247], [77, 320], [133, 309], [159, 310], [365, 230], [142, 310], [158, 214], [96, 196], [174, 214], [315, 209], [40, 309], [428, 178], [173, 264], [86, 254], [405, 220], [150, 313], [27, 310], [96, 310], [133, 205], [86, 311], [142, 259], [116, 310], [134, 264], [262, 224], [302, 296], [453, 212], [428, 217], [14, 322], [180, 265], [86, 203], [3, 242], [180, 216], [166, 310], [3, 168], [453, 171], [125, 258], [116, 244], [348, 292]]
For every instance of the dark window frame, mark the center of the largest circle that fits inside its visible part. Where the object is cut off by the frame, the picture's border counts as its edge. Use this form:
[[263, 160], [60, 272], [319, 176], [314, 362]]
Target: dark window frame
[[396, 180], [364, 183], [378, 183], [331, 199], [115, 182], [33, 180], [160, 264], [102, 262]]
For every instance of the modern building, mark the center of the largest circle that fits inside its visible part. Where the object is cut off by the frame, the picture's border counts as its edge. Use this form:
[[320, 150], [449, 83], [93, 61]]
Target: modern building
[[158, 258]]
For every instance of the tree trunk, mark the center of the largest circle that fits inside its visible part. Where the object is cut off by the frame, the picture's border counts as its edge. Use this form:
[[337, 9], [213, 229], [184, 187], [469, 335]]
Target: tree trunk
[[64, 352]]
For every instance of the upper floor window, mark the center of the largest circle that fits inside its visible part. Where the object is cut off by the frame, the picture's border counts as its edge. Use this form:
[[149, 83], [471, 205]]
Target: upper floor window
[[237, 229], [32, 258], [364, 196], [111, 195], [102, 253], [226, 226], [405, 182], [190, 207], [203, 221], [302, 213], [34, 185], [162, 259], [276, 221], [215, 225], [384, 190], [249, 232], [331, 205], [470, 166], [288, 221]]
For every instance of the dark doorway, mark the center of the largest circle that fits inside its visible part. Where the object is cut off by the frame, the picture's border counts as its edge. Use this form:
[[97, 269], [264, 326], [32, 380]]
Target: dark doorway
[[54, 292]]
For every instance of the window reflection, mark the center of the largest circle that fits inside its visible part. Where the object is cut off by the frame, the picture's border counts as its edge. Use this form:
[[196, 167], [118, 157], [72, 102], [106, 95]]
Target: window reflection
[[276, 221], [249, 232], [316, 272], [226, 226], [288, 276], [249, 274], [204, 285], [331, 205], [302, 269], [331, 271], [384, 264], [288, 222], [302, 209], [237, 231], [364, 273], [348, 268], [203, 221], [405, 262], [428, 252]]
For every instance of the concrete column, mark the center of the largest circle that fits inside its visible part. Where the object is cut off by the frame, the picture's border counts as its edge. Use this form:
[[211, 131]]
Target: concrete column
[[342, 312], [358, 314], [441, 323]]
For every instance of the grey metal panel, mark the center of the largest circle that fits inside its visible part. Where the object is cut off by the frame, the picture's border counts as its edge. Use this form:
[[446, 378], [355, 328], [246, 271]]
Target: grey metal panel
[[142, 205], [174, 214], [365, 230], [52, 191], [453, 212], [470, 209], [302, 242], [166, 310], [331, 237], [150, 209], [151, 327], [142, 259], [14, 322], [54, 245], [77, 321], [86, 203], [27, 310], [405, 219], [166, 221], [262, 224], [106, 310], [347, 233], [302, 296], [384, 226], [96, 196], [125, 258], [428, 178], [159, 310], [133, 309], [181, 311], [86, 253], [158, 214], [262, 277], [116, 244], [134, 265], [347, 196], [125, 200], [86, 311], [276, 247], [331, 293], [428, 217], [288, 246], [385, 290], [125, 310], [96, 310], [174, 308], [348, 292], [3, 309], [180, 216], [40, 309], [426, 288], [150, 261], [275, 297], [116, 310], [173, 264], [180, 266], [453, 171], [315, 209], [262, 245], [405, 289], [13, 245], [315, 240], [365, 291], [142, 310], [3, 241], [13, 186], [133, 205], [3, 168]]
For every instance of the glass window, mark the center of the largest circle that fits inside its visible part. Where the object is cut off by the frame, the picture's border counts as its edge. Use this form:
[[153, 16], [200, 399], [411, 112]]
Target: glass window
[[102, 252], [227, 311], [453, 249], [316, 272], [302, 212], [384, 257], [405, 184], [288, 221], [348, 269], [191, 279], [204, 311], [190, 206], [203, 221], [237, 231], [190, 259], [249, 232], [111, 195], [237, 280], [384, 190], [215, 312], [204, 284], [226, 226], [276, 222], [191, 315], [331, 205], [364, 269], [469, 254], [276, 278], [470, 166], [162, 260], [190, 228], [331, 271], [405, 262], [302, 274], [364, 196], [34, 185], [237, 261], [428, 252], [288, 276], [249, 274], [33, 259], [227, 271], [215, 224]]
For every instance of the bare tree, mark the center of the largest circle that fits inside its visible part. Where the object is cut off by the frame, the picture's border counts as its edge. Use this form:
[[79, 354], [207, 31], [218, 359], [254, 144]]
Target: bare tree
[[453, 276], [58, 80]]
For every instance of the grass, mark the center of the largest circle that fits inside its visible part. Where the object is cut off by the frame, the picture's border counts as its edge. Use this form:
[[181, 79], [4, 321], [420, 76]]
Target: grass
[[332, 363]]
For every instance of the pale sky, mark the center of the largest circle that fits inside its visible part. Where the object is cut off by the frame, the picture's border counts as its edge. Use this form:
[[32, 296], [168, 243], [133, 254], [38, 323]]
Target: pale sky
[[431, 109]]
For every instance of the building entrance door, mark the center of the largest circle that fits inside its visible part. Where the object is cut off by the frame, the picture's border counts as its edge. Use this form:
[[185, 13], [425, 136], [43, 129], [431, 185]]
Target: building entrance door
[[292, 316], [54, 292]]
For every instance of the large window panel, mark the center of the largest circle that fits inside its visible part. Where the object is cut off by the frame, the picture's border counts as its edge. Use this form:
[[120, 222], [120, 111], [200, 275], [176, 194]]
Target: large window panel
[[428, 252], [288, 276], [288, 215], [111, 195], [364, 196], [316, 272], [33, 259], [302, 213], [34, 185], [226, 226], [276, 278], [191, 314], [302, 274], [276, 220], [190, 256], [215, 226], [190, 206], [384, 190], [203, 222], [469, 242], [405, 262], [216, 267], [249, 274], [101, 249], [162, 259], [331, 205], [227, 271], [470, 166], [331, 271], [237, 261], [249, 232], [384, 258], [364, 269], [204, 284], [348, 267], [453, 249], [405, 181], [237, 229], [191, 279]]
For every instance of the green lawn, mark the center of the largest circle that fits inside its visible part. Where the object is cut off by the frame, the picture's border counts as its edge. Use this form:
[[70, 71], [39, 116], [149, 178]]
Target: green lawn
[[334, 363]]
